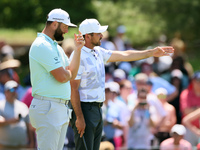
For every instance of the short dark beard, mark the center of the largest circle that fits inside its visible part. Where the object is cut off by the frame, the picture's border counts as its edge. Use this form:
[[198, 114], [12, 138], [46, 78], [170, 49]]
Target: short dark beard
[[58, 35], [96, 44]]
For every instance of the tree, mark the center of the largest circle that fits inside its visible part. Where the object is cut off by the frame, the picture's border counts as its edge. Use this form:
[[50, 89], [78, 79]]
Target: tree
[[31, 13], [146, 20]]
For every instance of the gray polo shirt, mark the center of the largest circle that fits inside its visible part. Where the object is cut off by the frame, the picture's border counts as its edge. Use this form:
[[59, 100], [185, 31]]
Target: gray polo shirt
[[92, 74]]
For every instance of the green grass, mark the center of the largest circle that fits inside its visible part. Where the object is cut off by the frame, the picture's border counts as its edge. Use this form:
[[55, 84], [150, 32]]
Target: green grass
[[17, 37], [25, 36]]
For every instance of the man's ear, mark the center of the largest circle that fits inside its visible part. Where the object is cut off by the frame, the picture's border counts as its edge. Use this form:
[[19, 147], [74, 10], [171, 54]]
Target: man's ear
[[87, 36], [55, 25]]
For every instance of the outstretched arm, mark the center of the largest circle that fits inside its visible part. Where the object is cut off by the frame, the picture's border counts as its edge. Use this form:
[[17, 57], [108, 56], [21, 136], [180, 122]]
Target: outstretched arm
[[133, 55]]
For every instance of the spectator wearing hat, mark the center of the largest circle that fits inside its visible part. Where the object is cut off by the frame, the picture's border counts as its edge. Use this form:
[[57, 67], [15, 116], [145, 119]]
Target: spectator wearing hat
[[126, 67], [163, 132], [158, 115], [15, 129], [176, 142], [88, 89], [176, 80], [51, 73], [146, 67], [142, 82], [119, 75], [7, 70], [7, 74], [6, 51], [177, 64], [9, 62], [140, 123], [125, 90], [189, 102], [114, 112]]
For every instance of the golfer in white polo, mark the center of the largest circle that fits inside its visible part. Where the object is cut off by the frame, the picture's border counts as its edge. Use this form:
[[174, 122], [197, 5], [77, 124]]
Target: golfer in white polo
[[88, 89]]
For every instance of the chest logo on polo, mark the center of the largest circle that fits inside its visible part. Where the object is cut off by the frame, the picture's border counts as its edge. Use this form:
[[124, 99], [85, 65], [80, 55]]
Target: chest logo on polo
[[56, 60]]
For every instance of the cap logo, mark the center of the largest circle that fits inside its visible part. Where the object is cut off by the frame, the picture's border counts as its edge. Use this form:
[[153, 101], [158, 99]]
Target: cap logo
[[58, 19]]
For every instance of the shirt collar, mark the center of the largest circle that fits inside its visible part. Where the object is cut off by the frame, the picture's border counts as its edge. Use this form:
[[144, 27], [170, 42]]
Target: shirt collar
[[88, 50], [47, 38]]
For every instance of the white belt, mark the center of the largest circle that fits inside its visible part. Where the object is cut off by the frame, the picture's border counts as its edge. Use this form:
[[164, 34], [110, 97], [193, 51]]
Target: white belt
[[58, 100]]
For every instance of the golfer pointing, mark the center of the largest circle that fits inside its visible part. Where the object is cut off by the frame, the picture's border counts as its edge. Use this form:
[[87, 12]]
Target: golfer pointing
[[88, 88], [50, 74]]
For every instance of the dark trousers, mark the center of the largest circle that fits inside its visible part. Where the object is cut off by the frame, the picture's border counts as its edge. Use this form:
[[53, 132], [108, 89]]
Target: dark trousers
[[94, 126]]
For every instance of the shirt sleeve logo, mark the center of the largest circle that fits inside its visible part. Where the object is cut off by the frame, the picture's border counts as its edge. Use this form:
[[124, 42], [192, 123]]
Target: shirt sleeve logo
[[56, 60]]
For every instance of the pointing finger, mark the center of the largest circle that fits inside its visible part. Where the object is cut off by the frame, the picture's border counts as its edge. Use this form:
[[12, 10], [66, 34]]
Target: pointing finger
[[168, 49], [80, 33], [75, 36]]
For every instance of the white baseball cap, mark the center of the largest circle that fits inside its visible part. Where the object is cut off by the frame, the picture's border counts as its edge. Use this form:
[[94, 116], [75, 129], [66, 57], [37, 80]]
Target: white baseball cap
[[161, 91], [60, 15], [119, 74], [141, 77], [113, 86], [91, 26], [179, 129], [10, 85], [177, 73]]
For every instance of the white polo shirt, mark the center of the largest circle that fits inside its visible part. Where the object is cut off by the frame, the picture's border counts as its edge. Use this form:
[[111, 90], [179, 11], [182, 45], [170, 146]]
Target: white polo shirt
[[92, 74], [46, 55]]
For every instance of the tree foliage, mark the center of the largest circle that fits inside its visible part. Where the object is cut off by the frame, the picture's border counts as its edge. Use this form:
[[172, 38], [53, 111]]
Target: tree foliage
[[146, 20], [141, 26], [32, 13], [182, 16]]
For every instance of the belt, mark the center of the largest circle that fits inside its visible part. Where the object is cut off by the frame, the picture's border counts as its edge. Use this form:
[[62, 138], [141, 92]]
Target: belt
[[98, 104], [58, 100]]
